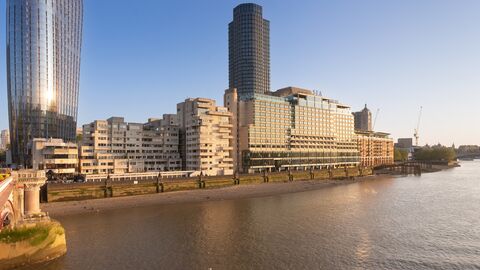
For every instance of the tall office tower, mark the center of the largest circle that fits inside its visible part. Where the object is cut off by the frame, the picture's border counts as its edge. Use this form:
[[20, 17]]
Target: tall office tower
[[249, 51], [43, 71], [363, 119]]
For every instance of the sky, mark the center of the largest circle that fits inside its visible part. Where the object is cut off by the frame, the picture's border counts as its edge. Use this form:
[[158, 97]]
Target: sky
[[141, 58]]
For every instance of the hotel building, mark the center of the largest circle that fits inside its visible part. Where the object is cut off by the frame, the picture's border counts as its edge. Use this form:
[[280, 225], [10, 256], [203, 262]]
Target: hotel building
[[114, 146], [290, 128], [376, 148], [205, 137], [55, 156]]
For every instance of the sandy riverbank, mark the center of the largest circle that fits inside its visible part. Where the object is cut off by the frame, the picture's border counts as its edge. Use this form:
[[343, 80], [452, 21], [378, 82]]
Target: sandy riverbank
[[58, 209]]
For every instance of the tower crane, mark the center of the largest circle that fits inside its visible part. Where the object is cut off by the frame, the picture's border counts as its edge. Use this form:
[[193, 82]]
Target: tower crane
[[375, 120], [416, 131]]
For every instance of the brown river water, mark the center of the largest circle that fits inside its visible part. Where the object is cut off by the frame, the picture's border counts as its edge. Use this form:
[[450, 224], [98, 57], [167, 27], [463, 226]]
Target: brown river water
[[426, 222]]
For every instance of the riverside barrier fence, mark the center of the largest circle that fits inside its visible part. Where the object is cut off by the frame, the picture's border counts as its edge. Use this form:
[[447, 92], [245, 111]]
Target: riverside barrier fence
[[56, 192]]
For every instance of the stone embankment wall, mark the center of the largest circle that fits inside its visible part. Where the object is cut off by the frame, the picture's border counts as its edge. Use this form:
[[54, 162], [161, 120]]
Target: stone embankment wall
[[31, 243], [83, 191]]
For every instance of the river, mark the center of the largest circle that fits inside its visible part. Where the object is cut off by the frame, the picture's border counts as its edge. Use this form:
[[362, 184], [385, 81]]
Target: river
[[427, 222]]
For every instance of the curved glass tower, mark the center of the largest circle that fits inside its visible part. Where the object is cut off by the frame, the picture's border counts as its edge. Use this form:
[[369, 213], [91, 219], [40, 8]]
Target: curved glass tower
[[249, 51], [44, 40]]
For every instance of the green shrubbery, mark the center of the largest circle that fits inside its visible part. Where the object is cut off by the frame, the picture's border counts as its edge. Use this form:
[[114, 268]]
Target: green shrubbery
[[437, 153]]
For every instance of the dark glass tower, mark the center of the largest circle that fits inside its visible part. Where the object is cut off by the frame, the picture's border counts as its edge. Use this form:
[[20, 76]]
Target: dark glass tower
[[43, 71], [249, 51]]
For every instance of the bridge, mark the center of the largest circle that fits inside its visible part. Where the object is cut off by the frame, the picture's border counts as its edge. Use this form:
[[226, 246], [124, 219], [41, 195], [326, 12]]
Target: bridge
[[7, 212], [20, 197]]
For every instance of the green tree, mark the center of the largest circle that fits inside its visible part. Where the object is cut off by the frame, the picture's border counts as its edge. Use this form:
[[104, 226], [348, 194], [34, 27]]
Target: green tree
[[79, 138], [400, 154], [437, 153]]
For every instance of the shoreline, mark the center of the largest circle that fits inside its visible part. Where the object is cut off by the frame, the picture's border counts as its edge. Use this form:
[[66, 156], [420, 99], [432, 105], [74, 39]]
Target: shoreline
[[94, 206]]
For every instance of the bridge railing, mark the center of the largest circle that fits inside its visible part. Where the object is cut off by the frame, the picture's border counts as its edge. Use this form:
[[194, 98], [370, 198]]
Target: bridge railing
[[5, 184]]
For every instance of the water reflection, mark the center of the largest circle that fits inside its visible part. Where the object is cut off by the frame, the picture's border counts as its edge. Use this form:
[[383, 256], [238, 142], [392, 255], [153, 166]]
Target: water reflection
[[423, 222]]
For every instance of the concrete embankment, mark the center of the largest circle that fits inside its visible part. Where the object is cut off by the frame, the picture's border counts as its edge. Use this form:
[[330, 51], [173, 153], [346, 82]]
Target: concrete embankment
[[31, 243], [107, 189]]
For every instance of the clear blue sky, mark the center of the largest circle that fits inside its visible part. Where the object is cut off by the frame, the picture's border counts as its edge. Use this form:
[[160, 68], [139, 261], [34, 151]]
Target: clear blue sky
[[140, 58]]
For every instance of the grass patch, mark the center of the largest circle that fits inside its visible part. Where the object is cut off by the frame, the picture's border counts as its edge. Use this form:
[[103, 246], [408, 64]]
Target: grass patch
[[36, 234]]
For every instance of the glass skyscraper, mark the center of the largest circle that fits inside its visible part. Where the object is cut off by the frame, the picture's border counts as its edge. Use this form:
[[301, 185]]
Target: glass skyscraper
[[249, 51], [44, 40]]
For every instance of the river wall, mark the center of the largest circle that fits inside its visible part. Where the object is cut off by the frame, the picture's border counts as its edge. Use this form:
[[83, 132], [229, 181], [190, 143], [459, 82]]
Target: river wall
[[56, 192], [31, 243]]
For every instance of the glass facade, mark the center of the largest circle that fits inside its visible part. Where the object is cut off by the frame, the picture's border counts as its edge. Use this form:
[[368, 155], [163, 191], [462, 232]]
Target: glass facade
[[249, 51], [43, 71]]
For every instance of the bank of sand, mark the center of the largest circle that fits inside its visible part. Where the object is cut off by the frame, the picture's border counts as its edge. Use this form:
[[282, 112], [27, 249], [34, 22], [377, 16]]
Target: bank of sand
[[58, 209]]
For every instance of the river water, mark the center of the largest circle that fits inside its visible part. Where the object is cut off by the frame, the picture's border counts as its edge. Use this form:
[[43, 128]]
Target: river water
[[427, 222]]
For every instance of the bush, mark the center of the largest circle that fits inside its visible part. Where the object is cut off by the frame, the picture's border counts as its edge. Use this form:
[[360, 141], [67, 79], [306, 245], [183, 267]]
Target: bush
[[439, 153]]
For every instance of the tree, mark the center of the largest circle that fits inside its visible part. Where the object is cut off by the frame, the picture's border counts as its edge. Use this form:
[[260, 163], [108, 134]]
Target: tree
[[79, 138], [400, 154], [437, 153]]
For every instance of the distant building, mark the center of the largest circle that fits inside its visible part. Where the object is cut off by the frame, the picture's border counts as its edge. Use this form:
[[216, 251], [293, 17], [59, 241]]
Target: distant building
[[115, 146], [375, 148], [4, 139], [55, 157], [291, 128], [79, 131], [44, 40], [205, 137], [363, 119], [404, 143], [249, 51], [468, 149]]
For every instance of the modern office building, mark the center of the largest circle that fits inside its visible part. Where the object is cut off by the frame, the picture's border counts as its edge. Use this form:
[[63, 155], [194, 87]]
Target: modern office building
[[363, 119], [249, 51], [205, 137], [4, 139], [376, 148], [291, 128], [43, 69], [59, 159], [114, 146]]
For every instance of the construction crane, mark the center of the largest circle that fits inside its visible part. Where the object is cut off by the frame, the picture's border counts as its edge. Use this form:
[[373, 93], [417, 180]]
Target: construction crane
[[375, 120], [415, 134]]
